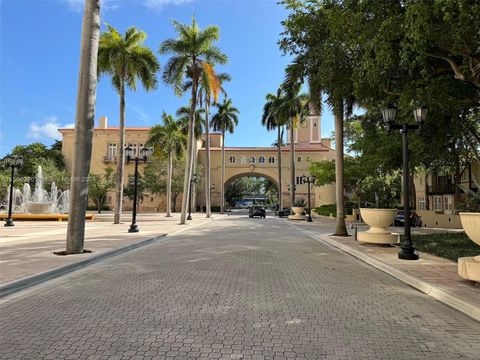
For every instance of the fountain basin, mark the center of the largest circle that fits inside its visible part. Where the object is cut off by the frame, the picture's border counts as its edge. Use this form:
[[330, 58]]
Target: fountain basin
[[38, 208], [47, 217]]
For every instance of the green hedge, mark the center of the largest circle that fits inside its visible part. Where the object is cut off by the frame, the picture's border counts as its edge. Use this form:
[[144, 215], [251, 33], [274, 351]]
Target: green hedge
[[331, 210]]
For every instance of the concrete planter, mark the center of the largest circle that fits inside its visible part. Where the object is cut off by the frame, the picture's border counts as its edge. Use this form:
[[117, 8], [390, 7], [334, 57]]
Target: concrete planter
[[379, 220], [469, 267], [297, 213]]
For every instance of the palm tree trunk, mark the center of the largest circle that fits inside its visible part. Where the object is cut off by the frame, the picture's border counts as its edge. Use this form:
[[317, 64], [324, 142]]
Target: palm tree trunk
[[292, 165], [117, 218], [169, 183], [208, 179], [279, 164], [222, 204], [189, 159], [194, 171], [84, 122], [341, 228]]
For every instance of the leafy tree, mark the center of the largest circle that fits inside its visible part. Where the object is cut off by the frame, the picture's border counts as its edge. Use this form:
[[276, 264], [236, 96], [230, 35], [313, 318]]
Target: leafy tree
[[84, 120], [168, 140], [99, 186], [224, 120], [193, 52], [129, 189], [125, 59]]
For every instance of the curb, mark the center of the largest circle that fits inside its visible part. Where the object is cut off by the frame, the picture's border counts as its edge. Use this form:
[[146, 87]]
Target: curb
[[28, 281], [436, 292], [20, 284]]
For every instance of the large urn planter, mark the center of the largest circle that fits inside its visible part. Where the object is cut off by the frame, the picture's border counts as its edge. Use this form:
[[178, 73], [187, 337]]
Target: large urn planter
[[469, 267], [297, 213], [379, 220]]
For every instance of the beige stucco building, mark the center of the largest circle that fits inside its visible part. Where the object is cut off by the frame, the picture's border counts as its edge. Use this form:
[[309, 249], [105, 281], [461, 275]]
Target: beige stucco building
[[239, 161]]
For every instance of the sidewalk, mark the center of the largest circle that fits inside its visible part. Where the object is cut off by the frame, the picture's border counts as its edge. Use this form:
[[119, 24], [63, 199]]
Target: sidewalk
[[27, 248], [432, 275]]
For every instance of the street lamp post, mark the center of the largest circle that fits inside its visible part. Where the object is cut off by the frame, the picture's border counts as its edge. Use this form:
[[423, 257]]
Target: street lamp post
[[192, 181], [309, 180], [12, 163], [146, 152], [407, 250]]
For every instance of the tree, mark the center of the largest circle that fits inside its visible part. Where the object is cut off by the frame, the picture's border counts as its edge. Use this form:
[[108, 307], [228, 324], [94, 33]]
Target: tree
[[315, 35], [224, 120], [125, 59], [272, 119], [99, 186], [169, 140], [193, 52], [129, 189], [84, 121]]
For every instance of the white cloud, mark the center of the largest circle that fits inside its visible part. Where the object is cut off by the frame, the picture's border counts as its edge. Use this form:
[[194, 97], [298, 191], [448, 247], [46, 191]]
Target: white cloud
[[159, 4], [77, 5], [48, 129]]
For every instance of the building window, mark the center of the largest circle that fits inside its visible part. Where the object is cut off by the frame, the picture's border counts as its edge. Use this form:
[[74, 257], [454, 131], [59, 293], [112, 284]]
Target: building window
[[300, 180], [252, 159], [299, 159], [243, 159], [271, 160], [464, 177], [447, 203], [233, 160], [134, 150], [261, 160], [437, 203], [111, 151], [309, 158], [422, 204]]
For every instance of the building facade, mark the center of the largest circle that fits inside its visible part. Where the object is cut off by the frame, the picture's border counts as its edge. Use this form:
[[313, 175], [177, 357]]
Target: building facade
[[239, 162]]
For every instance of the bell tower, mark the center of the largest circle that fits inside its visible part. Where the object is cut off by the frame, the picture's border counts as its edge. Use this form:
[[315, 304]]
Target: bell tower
[[308, 132]]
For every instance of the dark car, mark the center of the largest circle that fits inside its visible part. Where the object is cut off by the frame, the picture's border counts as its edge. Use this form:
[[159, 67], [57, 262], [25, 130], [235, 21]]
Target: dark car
[[257, 211], [415, 220], [285, 212]]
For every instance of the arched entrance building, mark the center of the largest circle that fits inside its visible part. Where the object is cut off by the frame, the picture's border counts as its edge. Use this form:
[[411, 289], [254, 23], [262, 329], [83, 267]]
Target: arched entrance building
[[262, 161]]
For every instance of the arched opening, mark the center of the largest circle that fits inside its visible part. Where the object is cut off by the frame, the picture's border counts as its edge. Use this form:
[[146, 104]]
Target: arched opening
[[245, 190]]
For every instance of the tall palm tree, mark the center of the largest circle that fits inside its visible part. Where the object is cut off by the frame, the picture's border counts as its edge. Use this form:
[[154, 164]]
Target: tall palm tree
[[168, 139], [125, 59], [184, 118], [224, 120], [272, 119], [84, 121], [295, 108], [192, 52]]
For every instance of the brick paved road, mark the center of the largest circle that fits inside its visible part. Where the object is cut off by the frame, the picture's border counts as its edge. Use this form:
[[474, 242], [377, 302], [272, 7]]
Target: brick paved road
[[234, 288]]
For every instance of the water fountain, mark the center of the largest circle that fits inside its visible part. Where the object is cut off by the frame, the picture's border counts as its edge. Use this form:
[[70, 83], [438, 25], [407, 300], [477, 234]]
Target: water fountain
[[40, 201]]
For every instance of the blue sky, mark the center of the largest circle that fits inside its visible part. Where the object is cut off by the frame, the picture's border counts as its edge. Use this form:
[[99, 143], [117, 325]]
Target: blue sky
[[39, 57]]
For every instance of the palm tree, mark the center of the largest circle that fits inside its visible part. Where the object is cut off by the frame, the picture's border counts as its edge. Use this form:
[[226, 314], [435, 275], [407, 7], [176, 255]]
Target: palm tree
[[84, 121], [272, 119], [170, 140], [224, 120], [192, 52], [184, 118], [295, 108], [125, 59]]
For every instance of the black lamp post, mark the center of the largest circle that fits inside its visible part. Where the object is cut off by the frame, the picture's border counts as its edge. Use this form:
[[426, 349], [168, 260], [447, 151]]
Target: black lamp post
[[407, 250], [12, 163], [192, 181], [145, 152], [309, 180]]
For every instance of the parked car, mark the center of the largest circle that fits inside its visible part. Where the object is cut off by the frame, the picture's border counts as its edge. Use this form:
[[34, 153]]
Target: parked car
[[285, 212], [257, 211], [415, 220]]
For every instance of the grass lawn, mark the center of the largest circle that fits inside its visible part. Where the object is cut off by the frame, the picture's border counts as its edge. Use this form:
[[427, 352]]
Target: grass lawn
[[450, 246]]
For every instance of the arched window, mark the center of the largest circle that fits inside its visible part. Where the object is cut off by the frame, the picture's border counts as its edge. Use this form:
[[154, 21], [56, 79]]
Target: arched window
[[251, 159], [243, 159], [271, 160], [233, 160], [261, 160]]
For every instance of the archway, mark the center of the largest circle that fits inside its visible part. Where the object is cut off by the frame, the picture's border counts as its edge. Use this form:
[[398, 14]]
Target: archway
[[244, 190]]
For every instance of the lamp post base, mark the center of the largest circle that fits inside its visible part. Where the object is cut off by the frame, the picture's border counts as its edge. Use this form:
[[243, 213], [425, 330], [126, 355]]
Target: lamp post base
[[189, 217], [408, 254], [309, 219], [9, 222], [133, 228]]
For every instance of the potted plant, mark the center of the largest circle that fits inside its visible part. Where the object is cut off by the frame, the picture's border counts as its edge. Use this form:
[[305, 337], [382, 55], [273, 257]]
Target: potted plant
[[298, 209], [379, 220], [469, 267]]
